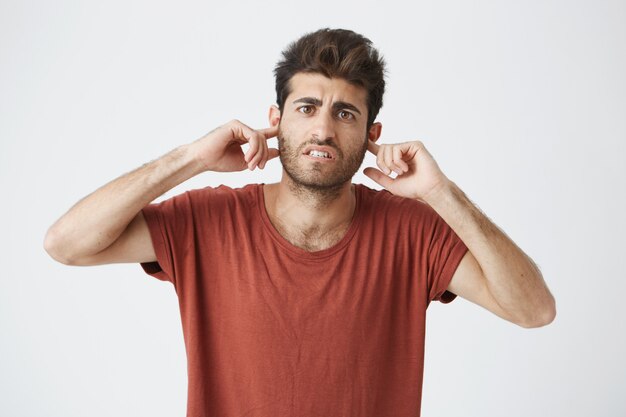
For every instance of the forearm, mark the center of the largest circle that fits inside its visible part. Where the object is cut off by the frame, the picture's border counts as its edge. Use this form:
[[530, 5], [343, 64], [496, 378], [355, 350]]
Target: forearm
[[97, 220], [512, 277]]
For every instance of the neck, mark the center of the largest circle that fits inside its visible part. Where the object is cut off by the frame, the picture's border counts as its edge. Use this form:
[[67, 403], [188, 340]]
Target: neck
[[309, 212]]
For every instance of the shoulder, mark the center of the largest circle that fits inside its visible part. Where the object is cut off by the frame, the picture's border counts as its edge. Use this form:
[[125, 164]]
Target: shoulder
[[397, 214], [382, 202], [211, 202], [224, 194]]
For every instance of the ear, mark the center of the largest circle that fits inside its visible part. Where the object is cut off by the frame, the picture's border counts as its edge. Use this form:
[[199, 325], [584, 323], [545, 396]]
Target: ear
[[374, 131], [274, 115]]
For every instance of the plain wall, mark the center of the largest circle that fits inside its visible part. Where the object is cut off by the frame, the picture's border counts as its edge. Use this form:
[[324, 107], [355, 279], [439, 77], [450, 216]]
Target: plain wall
[[521, 103]]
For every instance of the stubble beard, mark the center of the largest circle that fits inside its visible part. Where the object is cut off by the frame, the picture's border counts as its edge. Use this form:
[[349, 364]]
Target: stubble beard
[[314, 183]]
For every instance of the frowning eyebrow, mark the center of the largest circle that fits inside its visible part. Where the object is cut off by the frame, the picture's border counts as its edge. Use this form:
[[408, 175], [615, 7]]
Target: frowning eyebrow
[[337, 105]]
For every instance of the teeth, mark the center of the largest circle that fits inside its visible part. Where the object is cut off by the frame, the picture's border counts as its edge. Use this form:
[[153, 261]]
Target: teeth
[[319, 154]]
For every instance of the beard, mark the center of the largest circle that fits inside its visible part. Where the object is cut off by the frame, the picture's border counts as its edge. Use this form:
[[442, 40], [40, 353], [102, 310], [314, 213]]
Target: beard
[[318, 178]]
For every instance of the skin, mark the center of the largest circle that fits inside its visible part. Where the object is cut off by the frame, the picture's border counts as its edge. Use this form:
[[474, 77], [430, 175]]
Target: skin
[[314, 202]]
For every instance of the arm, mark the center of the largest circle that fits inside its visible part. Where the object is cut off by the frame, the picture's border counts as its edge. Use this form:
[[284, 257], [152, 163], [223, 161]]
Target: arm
[[495, 273], [107, 226]]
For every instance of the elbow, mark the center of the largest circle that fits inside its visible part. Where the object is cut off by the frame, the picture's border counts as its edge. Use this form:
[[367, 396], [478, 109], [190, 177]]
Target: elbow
[[542, 318], [53, 247]]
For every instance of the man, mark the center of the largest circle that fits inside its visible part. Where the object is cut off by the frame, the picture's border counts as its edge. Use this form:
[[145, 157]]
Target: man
[[307, 297]]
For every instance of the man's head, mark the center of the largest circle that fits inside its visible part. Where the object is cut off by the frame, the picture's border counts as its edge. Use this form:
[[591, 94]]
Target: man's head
[[329, 89], [334, 53]]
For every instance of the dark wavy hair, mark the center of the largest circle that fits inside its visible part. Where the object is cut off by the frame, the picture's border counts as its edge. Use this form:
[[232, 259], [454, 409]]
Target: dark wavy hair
[[337, 53]]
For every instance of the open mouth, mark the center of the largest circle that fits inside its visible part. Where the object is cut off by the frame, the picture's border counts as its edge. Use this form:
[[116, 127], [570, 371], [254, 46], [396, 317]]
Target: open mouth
[[320, 153]]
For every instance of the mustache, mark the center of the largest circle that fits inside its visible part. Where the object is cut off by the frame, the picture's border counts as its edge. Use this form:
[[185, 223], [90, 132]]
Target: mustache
[[327, 142], [314, 141]]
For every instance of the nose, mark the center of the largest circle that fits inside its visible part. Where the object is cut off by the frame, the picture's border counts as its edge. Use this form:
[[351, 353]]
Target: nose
[[324, 127]]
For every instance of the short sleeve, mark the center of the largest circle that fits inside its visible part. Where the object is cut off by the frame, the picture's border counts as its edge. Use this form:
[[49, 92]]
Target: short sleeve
[[170, 223], [445, 252]]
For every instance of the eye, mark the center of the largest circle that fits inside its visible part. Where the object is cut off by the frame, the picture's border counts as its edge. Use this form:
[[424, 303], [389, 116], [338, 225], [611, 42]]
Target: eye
[[346, 115], [305, 109]]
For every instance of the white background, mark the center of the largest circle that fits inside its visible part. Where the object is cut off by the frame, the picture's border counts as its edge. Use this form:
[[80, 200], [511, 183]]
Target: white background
[[522, 103]]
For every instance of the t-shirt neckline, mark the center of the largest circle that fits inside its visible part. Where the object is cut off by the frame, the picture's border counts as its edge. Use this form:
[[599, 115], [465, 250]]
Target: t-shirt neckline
[[299, 252]]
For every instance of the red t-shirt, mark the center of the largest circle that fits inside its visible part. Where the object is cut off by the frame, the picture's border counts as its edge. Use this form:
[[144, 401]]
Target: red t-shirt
[[272, 330]]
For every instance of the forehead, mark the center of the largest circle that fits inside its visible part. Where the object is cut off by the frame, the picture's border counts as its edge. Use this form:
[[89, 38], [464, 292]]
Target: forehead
[[333, 89]]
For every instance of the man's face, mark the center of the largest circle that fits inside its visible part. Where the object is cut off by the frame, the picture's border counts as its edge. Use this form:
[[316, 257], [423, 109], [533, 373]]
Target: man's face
[[322, 134]]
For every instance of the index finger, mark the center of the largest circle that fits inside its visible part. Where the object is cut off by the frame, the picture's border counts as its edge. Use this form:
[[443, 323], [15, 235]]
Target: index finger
[[372, 147], [269, 132]]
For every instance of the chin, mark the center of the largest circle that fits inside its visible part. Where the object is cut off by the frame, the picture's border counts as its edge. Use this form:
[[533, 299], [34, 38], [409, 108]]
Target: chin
[[317, 180]]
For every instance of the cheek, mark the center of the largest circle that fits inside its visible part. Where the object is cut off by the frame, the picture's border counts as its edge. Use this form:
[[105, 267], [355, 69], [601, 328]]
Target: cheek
[[291, 135], [285, 142], [295, 131]]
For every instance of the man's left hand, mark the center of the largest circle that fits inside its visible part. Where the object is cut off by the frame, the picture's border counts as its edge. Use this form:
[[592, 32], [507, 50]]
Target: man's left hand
[[419, 176]]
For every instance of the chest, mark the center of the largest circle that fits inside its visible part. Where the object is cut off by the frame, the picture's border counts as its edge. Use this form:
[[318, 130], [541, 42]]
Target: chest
[[312, 239]]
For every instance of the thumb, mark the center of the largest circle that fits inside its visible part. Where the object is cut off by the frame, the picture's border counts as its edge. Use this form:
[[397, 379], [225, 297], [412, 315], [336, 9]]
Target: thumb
[[379, 177]]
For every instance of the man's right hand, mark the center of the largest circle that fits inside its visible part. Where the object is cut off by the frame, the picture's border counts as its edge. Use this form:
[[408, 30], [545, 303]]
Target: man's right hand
[[221, 149]]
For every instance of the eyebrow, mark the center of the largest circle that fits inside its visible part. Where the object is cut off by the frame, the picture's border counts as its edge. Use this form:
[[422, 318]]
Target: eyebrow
[[337, 105]]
